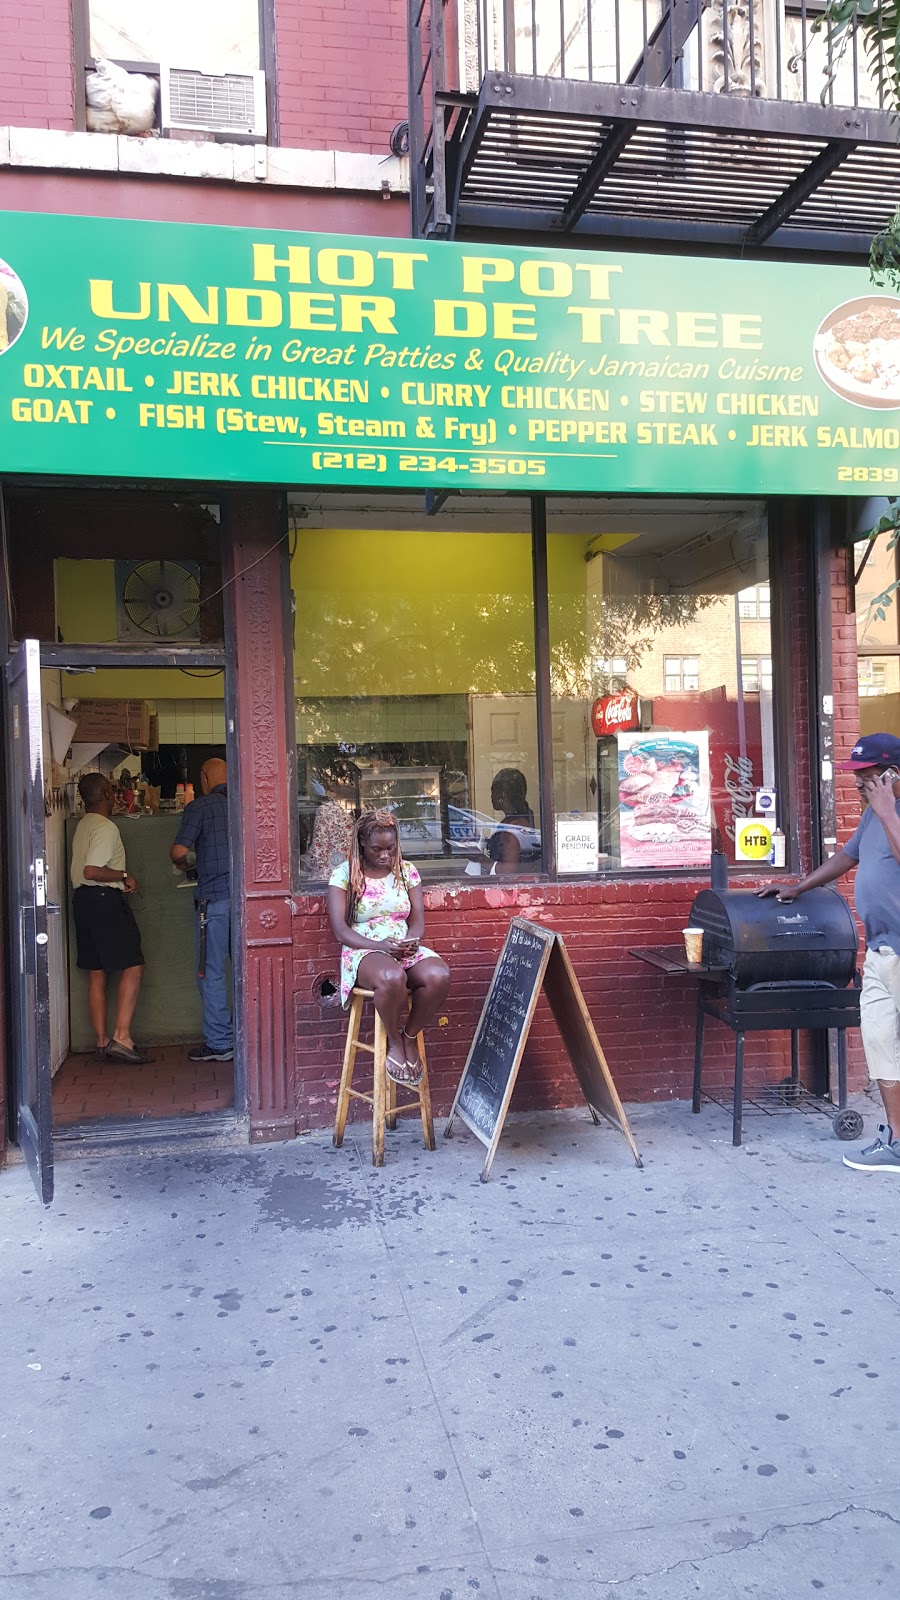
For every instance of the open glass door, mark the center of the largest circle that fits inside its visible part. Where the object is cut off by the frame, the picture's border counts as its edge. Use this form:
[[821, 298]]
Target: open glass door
[[29, 978]]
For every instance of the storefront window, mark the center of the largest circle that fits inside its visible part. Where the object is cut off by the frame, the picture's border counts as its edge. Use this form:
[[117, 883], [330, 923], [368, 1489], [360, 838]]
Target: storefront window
[[415, 682], [662, 677], [415, 687]]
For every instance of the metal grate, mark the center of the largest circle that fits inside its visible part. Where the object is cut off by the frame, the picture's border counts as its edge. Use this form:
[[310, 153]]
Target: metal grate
[[225, 104], [750, 172], [774, 1100]]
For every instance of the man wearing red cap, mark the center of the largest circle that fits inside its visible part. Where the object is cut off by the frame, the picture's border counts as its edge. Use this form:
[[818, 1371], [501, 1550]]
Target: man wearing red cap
[[874, 849]]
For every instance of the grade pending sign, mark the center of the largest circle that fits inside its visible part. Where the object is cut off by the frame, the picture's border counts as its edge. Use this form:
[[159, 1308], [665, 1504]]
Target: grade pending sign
[[175, 351], [577, 843]]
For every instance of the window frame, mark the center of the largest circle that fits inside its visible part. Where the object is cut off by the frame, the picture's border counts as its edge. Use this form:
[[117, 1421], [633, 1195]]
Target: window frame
[[757, 614], [83, 61], [758, 664], [688, 681]]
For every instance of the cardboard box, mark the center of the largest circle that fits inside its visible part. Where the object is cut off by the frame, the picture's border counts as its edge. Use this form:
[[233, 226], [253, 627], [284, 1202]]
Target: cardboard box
[[124, 722]]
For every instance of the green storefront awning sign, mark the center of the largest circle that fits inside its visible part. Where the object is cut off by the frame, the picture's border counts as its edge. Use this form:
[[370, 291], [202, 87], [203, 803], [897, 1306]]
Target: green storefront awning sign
[[172, 351]]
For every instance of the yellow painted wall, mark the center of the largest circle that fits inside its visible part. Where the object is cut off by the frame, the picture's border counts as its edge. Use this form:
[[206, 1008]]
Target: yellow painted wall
[[431, 612], [86, 614]]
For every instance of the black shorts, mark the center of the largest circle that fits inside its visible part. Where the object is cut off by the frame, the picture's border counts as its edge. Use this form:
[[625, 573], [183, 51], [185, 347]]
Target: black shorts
[[108, 936]]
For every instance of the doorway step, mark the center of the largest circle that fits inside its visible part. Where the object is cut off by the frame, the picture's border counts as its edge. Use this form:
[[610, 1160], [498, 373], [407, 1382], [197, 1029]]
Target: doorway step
[[210, 1130]]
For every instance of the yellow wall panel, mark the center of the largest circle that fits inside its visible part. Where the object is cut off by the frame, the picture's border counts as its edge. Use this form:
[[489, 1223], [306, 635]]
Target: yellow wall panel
[[429, 612]]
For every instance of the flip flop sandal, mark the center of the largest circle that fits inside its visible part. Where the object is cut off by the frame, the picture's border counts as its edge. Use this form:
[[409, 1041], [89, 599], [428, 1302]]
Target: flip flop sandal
[[401, 1072]]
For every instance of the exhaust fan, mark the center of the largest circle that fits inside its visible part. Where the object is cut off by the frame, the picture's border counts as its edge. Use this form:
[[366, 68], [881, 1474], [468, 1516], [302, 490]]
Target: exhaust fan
[[157, 601]]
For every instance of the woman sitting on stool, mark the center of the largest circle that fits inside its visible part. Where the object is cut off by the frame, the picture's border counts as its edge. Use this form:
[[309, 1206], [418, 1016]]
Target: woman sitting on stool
[[377, 915]]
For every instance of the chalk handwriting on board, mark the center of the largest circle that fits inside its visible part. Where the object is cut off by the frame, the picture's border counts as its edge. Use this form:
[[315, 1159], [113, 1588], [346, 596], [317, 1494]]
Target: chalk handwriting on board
[[503, 1029], [532, 957]]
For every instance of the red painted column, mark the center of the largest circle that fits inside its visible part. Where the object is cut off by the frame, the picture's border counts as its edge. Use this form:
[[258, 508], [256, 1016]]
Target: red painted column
[[255, 525]]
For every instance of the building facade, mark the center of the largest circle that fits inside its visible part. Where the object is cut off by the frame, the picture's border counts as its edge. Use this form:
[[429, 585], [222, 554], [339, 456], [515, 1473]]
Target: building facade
[[645, 645]]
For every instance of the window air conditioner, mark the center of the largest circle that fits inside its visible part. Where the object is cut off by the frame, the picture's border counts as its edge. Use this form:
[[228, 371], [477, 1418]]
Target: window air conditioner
[[213, 102]]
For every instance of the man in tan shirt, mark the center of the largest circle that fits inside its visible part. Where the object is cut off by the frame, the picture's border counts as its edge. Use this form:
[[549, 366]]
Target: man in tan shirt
[[108, 937]]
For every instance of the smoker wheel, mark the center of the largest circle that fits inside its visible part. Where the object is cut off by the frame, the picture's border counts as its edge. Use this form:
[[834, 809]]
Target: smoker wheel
[[848, 1125]]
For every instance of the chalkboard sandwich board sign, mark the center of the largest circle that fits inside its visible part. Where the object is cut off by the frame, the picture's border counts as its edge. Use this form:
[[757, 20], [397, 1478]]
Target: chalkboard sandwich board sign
[[532, 958]]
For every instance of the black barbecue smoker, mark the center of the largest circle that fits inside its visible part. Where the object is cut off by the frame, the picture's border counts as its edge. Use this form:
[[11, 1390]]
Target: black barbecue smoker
[[770, 964]]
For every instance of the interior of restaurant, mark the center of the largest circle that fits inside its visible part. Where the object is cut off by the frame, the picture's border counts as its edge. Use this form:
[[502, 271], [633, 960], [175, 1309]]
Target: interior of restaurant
[[149, 729]]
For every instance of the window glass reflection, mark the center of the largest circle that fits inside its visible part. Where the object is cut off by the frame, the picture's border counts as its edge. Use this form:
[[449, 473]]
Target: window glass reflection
[[414, 681], [662, 674]]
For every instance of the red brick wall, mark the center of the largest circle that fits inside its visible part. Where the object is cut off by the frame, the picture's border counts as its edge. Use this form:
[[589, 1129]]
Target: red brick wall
[[846, 687], [341, 70], [645, 1021], [36, 79], [846, 729], [802, 660], [341, 73]]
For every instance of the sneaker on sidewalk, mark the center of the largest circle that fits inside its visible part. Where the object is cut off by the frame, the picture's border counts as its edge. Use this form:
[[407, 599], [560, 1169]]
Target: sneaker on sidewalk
[[881, 1156], [885, 1136], [205, 1052]]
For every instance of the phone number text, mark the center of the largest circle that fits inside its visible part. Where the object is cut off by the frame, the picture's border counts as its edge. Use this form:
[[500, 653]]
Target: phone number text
[[478, 466]]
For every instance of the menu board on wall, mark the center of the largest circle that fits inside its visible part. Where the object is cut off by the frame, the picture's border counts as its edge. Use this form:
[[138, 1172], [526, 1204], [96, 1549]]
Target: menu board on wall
[[183, 351], [664, 799]]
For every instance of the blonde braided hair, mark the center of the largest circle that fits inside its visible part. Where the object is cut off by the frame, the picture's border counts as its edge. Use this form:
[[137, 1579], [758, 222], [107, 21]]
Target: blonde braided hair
[[369, 823]]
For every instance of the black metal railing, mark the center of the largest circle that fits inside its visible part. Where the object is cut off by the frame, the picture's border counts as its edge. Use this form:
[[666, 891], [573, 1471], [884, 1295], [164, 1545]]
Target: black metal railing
[[775, 50]]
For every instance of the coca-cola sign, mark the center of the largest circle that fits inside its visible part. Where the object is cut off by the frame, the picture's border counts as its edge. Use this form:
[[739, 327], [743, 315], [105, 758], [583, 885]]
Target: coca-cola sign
[[616, 713]]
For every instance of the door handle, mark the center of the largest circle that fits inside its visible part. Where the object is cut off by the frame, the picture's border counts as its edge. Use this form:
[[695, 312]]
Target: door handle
[[53, 911]]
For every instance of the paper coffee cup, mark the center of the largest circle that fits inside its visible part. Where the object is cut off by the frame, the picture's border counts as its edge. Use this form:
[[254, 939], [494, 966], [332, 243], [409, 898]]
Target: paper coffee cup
[[693, 945]]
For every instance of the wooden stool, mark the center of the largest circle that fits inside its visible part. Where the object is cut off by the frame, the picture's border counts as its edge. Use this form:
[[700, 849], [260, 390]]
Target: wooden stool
[[383, 1098]]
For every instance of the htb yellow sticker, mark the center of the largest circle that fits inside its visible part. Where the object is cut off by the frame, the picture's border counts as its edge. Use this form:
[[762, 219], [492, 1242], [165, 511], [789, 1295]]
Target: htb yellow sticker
[[752, 840]]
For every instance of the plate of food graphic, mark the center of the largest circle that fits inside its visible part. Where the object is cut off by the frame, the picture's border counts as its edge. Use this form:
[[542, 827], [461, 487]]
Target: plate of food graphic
[[13, 307], [857, 351]]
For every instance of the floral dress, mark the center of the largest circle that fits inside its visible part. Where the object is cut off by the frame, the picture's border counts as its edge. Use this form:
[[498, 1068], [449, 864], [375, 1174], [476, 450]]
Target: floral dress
[[382, 913]]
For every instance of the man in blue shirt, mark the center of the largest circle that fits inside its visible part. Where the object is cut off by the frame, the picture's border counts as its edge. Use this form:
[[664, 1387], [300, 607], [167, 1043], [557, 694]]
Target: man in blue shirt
[[874, 849], [204, 829]]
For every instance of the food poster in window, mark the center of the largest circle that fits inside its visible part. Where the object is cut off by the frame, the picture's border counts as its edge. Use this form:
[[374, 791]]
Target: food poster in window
[[740, 749], [664, 799]]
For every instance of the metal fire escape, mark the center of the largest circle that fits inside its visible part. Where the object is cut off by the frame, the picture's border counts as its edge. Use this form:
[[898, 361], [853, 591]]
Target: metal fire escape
[[705, 122]]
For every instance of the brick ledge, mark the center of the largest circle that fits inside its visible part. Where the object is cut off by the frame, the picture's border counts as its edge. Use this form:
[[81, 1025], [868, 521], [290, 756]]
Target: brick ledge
[[254, 166]]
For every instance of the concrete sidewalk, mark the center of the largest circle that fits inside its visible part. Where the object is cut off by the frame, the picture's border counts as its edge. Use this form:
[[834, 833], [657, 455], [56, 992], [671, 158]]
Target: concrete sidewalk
[[276, 1373]]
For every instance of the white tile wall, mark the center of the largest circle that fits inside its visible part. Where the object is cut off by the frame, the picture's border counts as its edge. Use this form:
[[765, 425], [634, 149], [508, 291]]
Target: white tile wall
[[191, 721], [400, 719]]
